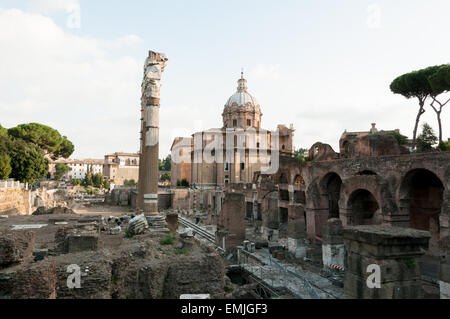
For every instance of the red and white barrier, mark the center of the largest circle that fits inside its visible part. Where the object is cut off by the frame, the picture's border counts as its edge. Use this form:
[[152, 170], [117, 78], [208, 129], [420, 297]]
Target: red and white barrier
[[337, 267]]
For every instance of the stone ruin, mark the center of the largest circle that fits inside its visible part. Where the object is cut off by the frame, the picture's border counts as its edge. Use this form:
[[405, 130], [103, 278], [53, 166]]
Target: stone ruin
[[145, 265]]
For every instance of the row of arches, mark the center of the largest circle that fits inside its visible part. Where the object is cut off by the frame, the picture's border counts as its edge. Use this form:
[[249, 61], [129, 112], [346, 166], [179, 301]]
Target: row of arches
[[419, 196]]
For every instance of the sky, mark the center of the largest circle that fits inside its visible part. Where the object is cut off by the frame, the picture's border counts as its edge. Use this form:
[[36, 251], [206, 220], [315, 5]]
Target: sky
[[323, 66]]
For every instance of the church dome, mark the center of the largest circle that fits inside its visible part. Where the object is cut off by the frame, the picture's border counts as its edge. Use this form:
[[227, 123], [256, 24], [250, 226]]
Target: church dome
[[242, 98]]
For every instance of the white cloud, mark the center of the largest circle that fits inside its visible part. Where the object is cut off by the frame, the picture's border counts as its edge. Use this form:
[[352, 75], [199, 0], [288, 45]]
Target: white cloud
[[72, 83]]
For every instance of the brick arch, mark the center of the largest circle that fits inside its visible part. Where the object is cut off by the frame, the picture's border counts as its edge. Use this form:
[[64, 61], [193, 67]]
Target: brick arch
[[317, 204], [421, 200], [371, 184], [363, 208]]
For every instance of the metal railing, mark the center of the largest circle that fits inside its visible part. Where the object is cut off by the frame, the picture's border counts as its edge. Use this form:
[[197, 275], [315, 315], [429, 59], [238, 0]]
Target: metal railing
[[284, 269], [11, 184], [200, 231]]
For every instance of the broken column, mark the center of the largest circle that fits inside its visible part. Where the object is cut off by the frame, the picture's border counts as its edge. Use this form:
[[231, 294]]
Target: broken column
[[172, 222], [150, 102], [333, 250], [137, 225], [384, 262], [231, 224]]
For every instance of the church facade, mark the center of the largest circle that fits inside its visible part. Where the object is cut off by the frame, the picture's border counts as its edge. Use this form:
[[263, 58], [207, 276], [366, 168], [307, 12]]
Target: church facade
[[233, 153]]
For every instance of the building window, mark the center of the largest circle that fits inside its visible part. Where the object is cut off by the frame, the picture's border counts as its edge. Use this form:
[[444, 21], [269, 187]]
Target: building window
[[226, 181], [242, 166], [234, 122], [257, 145], [227, 167], [249, 122]]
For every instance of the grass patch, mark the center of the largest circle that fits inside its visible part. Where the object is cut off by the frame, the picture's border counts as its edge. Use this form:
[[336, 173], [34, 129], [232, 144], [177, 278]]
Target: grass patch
[[128, 234], [183, 251], [168, 240]]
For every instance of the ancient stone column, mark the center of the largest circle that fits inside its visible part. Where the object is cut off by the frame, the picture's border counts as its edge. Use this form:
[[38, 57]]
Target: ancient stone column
[[148, 166]]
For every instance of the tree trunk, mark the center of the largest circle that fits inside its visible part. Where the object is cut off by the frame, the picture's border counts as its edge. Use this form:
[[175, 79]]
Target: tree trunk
[[440, 126], [419, 114], [438, 114]]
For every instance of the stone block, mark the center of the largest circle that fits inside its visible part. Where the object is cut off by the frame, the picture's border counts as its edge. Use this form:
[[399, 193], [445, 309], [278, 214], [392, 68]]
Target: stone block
[[333, 254], [385, 241], [81, 242], [356, 288]]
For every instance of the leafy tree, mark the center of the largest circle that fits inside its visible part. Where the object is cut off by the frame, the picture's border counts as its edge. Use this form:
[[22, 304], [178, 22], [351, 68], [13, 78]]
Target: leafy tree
[[165, 164], [5, 166], [87, 181], [401, 139], [444, 146], [440, 83], [28, 162], [97, 180], [426, 139], [3, 131], [60, 170], [300, 155], [76, 181], [415, 85], [45, 137], [129, 183], [165, 177], [66, 148], [106, 184]]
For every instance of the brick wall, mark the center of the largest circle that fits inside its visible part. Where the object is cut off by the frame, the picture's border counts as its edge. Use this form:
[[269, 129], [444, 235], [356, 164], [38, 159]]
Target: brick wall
[[15, 201]]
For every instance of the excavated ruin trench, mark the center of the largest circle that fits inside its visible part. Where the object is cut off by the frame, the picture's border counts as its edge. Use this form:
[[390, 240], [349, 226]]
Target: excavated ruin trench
[[147, 266]]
